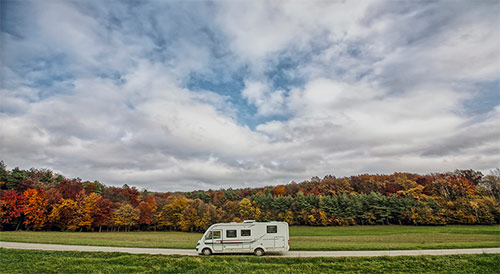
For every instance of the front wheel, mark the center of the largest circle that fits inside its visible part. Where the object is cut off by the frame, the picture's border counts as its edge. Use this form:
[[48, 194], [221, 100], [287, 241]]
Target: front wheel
[[207, 252], [258, 252]]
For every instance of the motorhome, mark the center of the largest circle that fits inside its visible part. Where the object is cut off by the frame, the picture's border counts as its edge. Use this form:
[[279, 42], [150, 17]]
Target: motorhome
[[247, 237]]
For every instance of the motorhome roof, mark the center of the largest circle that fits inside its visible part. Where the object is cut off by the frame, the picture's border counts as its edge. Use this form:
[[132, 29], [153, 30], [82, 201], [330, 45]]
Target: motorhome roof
[[248, 223]]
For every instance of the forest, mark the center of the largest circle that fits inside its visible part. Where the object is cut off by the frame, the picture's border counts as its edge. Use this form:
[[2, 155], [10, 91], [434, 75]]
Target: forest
[[40, 200]]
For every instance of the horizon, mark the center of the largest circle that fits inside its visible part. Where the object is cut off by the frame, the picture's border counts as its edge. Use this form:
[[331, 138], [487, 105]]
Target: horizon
[[55, 174], [178, 96]]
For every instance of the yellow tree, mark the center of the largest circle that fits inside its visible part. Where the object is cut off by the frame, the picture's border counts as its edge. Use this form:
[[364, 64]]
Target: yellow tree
[[247, 211], [289, 217], [64, 215], [208, 218], [126, 216], [171, 213], [188, 217], [87, 210], [198, 216]]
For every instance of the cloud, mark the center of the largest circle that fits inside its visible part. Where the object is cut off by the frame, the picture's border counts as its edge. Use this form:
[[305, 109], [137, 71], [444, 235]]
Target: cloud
[[184, 96], [267, 102]]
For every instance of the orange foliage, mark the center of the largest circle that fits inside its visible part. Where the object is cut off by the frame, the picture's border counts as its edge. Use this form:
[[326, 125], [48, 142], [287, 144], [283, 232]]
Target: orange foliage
[[35, 209], [279, 190]]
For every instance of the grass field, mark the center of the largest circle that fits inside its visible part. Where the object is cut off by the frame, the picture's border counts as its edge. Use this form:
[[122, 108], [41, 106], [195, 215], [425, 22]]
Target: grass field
[[34, 261], [301, 238]]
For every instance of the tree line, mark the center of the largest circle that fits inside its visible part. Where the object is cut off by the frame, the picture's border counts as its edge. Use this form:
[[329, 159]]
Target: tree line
[[38, 199]]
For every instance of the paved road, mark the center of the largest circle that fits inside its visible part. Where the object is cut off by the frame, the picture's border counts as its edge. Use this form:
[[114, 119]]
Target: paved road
[[191, 252]]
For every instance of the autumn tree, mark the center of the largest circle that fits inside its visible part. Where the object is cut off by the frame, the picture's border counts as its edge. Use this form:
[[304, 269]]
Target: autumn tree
[[248, 211], [35, 209], [70, 189], [11, 208], [64, 215], [147, 208], [41, 199], [103, 213], [88, 208], [279, 190], [229, 212], [170, 215], [333, 186], [126, 216]]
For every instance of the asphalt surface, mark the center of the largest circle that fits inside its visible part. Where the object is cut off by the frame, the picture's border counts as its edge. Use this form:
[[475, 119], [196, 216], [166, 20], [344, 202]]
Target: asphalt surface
[[192, 252]]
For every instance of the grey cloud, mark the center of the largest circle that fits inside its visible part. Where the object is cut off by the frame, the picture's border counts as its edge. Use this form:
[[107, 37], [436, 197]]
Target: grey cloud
[[379, 90], [471, 137]]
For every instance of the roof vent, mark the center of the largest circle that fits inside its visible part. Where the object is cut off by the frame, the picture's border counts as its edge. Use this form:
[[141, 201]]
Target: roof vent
[[248, 221]]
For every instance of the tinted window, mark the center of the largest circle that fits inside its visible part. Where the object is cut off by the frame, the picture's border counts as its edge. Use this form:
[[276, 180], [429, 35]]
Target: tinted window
[[272, 229], [231, 233], [245, 232], [217, 234]]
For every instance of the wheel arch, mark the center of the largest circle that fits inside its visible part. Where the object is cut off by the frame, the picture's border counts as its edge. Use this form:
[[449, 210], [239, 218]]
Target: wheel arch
[[207, 247], [261, 247]]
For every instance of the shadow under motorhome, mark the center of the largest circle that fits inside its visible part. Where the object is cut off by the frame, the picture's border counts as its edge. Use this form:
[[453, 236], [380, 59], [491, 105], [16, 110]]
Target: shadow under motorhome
[[247, 237]]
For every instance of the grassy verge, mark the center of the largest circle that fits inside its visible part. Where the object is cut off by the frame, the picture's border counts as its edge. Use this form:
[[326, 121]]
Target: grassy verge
[[121, 239], [301, 238], [393, 237], [34, 261]]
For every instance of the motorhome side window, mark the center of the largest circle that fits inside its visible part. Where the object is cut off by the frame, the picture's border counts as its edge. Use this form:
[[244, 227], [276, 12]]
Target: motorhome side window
[[231, 233], [272, 229], [246, 232]]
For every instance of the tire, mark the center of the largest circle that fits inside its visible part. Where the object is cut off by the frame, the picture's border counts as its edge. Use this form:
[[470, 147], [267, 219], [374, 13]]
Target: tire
[[258, 252], [207, 252]]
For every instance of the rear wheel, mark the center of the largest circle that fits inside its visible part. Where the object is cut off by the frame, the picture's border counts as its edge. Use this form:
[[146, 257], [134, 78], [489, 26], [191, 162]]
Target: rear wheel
[[207, 252], [258, 252]]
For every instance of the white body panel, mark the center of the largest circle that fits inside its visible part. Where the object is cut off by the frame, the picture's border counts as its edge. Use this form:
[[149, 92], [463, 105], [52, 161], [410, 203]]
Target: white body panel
[[234, 238]]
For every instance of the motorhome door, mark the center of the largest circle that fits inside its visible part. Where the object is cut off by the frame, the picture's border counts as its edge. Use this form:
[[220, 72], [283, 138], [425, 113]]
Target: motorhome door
[[217, 240]]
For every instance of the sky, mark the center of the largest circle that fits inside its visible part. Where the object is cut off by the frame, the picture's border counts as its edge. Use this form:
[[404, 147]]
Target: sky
[[187, 95]]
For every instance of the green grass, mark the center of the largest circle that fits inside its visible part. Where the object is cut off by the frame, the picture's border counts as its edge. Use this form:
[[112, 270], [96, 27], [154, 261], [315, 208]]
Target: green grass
[[123, 239], [34, 261], [301, 238], [393, 237]]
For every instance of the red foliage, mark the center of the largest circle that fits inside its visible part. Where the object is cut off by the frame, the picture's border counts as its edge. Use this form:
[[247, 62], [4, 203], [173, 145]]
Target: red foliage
[[11, 205], [132, 195], [121, 195], [70, 189], [53, 196], [147, 208], [104, 209]]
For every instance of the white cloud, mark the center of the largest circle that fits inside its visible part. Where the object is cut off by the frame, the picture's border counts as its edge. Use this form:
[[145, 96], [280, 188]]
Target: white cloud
[[268, 102], [103, 95]]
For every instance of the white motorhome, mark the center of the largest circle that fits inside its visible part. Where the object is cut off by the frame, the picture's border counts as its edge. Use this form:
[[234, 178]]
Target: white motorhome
[[247, 237]]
